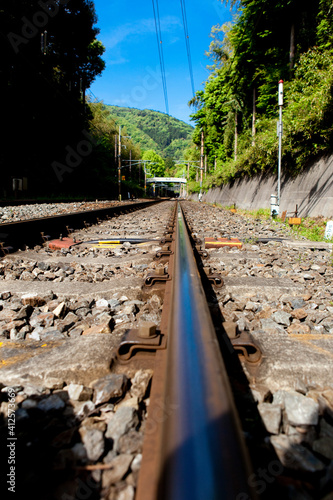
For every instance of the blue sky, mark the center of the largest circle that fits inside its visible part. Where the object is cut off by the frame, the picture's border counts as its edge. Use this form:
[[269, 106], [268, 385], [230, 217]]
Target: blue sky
[[132, 76]]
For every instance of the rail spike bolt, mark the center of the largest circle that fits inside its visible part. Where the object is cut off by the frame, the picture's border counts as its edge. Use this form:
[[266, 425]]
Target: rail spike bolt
[[147, 330]]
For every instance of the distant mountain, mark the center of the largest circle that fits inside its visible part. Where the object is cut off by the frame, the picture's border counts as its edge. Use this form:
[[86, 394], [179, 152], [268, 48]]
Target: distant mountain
[[165, 134]]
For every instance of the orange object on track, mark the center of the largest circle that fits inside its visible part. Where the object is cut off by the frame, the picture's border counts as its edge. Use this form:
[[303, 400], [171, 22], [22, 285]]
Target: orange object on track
[[64, 243], [222, 242], [294, 221]]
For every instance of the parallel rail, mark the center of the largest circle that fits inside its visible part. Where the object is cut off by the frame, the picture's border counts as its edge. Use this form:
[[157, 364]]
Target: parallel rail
[[28, 232], [193, 447]]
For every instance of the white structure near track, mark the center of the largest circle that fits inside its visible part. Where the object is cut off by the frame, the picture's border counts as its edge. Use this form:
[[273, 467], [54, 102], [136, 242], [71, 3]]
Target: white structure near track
[[167, 180], [162, 181]]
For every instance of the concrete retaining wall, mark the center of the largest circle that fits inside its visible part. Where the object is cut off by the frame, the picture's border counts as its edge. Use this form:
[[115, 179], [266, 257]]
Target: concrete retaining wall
[[312, 191]]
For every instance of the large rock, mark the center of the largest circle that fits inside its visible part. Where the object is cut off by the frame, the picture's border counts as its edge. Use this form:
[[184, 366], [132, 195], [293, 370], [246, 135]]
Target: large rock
[[51, 403], [120, 465], [295, 456], [140, 383], [281, 317], [60, 310], [93, 440], [131, 442], [32, 299], [43, 319], [271, 327], [78, 392], [109, 387], [299, 409], [298, 329], [124, 419], [271, 416]]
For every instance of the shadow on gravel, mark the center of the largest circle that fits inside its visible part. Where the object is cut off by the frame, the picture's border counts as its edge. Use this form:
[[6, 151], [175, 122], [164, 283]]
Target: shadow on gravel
[[41, 461], [266, 467], [270, 480]]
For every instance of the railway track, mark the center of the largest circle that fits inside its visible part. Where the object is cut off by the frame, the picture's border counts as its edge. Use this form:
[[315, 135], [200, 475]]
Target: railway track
[[137, 369], [196, 452], [16, 235]]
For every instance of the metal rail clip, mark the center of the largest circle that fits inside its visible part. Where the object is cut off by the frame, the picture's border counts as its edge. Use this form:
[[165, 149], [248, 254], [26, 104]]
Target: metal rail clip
[[160, 275], [214, 277], [196, 240], [164, 252], [169, 229], [144, 339], [247, 348], [167, 239], [202, 252]]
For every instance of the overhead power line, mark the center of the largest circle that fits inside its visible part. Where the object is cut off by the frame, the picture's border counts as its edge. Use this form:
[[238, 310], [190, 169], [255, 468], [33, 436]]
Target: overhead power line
[[160, 51], [187, 42]]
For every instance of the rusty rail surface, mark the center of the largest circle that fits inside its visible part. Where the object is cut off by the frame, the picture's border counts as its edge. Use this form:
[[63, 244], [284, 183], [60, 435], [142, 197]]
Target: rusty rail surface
[[193, 446]]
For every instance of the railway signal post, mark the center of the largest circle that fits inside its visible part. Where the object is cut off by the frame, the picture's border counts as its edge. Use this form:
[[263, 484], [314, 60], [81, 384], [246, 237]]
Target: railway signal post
[[280, 140]]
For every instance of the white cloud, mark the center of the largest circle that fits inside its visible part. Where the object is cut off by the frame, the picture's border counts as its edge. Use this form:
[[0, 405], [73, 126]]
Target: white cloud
[[117, 60], [142, 27]]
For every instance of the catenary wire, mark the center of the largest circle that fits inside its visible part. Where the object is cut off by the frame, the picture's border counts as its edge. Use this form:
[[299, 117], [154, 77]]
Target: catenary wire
[[160, 51], [187, 42]]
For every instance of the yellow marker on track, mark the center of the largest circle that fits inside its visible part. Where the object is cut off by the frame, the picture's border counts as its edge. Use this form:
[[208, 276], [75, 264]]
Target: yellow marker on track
[[113, 245], [222, 242]]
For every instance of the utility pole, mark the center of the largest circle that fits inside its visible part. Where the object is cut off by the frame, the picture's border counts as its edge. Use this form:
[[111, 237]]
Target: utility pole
[[205, 166], [201, 161], [215, 163], [280, 141], [236, 137], [119, 164], [253, 116], [43, 43], [144, 168], [130, 162]]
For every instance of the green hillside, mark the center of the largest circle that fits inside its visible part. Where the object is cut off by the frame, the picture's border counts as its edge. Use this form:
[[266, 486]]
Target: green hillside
[[165, 134]]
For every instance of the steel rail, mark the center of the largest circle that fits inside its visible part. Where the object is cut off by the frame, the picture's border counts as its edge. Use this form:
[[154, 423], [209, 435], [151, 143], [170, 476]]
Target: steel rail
[[28, 232], [199, 452]]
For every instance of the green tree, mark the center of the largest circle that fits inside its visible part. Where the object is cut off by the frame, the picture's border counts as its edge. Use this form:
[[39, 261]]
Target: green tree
[[43, 88], [237, 110], [155, 163]]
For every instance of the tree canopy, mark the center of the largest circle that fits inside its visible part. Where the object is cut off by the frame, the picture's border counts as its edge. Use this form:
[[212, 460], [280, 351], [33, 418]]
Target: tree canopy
[[151, 129], [50, 56], [237, 110], [155, 163]]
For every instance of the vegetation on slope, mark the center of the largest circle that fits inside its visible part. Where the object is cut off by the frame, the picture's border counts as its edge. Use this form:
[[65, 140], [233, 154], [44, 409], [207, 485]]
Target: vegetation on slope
[[165, 134], [238, 109]]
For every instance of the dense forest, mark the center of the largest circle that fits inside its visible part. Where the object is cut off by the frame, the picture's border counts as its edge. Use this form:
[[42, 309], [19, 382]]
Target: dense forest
[[55, 141], [49, 57], [165, 134], [289, 40]]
